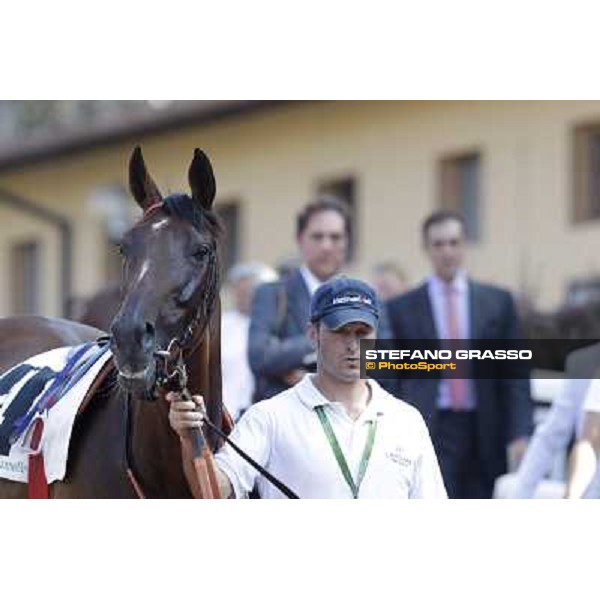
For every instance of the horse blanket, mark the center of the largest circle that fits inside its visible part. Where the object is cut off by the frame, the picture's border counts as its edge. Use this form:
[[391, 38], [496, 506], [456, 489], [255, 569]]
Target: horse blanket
[[39, 400]]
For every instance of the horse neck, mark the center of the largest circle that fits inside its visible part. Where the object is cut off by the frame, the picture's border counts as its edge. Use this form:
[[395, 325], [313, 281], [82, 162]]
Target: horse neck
[[156, 451]]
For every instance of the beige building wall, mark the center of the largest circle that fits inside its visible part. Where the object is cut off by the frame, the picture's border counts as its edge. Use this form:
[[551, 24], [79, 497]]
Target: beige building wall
[[272, 161]]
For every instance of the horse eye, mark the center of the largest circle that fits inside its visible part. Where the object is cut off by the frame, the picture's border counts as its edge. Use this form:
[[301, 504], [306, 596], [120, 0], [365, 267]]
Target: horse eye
[[200, 252]]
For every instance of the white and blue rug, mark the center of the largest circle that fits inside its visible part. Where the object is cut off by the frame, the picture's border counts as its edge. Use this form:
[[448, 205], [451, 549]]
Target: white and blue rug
[[48, 387]]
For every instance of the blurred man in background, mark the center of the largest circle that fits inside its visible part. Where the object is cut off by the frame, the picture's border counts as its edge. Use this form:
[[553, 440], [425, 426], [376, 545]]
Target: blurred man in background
[[473, 423], [238, 381], [280, 353]]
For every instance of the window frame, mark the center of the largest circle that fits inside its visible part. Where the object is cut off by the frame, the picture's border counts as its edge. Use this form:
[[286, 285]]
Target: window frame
[[584, 208]]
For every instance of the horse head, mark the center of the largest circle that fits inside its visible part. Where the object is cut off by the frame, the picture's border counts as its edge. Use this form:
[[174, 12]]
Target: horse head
[[170, 273]]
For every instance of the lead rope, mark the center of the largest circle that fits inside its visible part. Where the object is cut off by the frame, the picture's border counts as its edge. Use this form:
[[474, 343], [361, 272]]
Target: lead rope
[[135, 484]]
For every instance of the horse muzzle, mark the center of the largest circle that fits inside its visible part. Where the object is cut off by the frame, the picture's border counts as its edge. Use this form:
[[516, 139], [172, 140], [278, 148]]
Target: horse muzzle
[[137, 381]]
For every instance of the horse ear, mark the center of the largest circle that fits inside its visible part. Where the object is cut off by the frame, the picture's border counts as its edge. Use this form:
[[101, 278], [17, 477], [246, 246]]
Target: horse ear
[[142, 186], [202, 179]]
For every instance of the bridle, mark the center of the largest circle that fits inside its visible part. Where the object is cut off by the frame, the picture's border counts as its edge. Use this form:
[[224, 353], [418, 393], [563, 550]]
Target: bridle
[[170, 366]]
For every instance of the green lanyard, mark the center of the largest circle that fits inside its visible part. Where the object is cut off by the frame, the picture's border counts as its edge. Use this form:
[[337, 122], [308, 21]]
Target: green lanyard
[[339, 455]]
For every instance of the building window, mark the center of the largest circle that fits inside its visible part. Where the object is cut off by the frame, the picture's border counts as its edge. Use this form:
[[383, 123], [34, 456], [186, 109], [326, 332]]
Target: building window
[[25, 277], [229, 213], [344, 189], [586, 173], [460, 189]]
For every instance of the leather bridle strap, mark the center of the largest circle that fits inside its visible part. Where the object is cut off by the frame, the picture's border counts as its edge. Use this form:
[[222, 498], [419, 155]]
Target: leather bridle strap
[[203, 462], [135, 484], [205, 470], [185, 343], [206, 308]]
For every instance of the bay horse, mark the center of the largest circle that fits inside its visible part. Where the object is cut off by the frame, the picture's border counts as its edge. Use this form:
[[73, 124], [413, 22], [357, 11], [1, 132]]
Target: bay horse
[[170, 302]]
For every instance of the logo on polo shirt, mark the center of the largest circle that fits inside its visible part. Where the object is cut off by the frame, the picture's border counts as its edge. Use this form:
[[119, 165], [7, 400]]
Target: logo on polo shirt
[[399, 457], [358, 298]]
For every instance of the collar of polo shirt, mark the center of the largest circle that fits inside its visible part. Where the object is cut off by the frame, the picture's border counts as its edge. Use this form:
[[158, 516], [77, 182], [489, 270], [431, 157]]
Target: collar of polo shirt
[[311, 397]]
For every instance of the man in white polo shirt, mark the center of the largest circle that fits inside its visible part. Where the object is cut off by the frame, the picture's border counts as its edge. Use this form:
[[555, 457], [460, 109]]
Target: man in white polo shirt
[[332, 435]]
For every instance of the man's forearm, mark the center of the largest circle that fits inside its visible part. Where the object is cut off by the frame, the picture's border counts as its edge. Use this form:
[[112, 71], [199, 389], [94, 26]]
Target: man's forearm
[[582, 467], [584, 458], [225, 487]]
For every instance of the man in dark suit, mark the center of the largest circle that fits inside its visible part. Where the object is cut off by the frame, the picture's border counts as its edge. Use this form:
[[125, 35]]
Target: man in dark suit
[[279, 351], [475, 424]]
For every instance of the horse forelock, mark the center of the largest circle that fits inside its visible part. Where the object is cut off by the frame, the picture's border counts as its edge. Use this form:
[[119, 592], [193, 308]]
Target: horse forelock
[[188, 209]]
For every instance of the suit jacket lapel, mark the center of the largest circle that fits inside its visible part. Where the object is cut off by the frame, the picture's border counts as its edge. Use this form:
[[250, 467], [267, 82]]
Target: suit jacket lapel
[[476, 324], [299, 300]]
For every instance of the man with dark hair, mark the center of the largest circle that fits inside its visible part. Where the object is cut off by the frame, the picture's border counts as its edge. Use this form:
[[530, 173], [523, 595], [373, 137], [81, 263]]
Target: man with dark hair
[[442, 216], [278, 349], [475, 424]]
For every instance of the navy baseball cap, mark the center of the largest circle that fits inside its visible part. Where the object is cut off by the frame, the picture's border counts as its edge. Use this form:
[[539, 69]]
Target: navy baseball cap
[[343, 300]]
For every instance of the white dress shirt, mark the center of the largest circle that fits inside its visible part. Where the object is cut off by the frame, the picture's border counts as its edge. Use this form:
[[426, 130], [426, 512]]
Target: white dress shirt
[[310, 279], [438, 300], [284, 435], [553, 435], [238, 381]]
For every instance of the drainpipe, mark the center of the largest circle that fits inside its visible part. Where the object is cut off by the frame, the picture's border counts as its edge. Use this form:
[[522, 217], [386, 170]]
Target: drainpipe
[[63, 225]]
